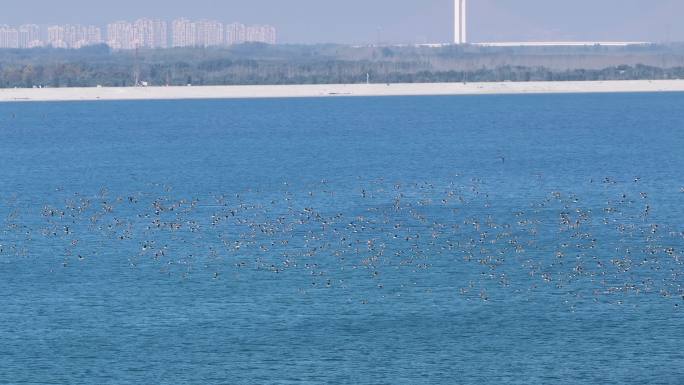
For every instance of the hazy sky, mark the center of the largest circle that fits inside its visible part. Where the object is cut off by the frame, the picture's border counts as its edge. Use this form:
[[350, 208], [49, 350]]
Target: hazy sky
[[367, 21]]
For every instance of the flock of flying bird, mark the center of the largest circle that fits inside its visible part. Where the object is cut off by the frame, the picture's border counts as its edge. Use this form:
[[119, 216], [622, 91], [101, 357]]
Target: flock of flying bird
[[383, 237]]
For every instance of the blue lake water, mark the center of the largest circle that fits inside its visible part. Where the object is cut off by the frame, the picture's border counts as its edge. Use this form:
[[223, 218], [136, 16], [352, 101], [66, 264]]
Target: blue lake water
[[399, 240]]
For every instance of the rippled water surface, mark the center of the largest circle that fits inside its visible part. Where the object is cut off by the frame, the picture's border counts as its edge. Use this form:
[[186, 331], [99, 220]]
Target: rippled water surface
[[417, 240]]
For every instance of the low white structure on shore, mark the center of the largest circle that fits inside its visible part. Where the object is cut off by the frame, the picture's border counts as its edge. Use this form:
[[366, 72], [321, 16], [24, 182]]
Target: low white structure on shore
[[562, 44]]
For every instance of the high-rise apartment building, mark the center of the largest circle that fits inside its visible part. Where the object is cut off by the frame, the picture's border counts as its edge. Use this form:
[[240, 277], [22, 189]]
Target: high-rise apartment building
[[9, 37], [78, 36], [55, 36], [184, 33], [150, 34], [236, 33], [209, 33], [143, 33], [29, 36], [261, 34], [120, 35], [94, 35], [271, 35], [73, 36]]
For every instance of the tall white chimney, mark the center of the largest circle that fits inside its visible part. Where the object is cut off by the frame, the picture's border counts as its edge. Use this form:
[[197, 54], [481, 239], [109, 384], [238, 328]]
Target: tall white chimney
[[460, 22]]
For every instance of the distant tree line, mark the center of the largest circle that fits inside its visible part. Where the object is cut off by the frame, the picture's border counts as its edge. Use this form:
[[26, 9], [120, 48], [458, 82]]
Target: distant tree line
[[319, 64]]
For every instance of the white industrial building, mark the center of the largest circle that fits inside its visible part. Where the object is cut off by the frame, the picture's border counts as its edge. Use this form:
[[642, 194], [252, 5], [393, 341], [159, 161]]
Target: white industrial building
[[461, 35]]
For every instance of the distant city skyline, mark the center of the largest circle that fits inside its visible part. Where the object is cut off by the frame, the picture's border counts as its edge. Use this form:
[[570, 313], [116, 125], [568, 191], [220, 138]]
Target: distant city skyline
[[141, 33], [387, 21]]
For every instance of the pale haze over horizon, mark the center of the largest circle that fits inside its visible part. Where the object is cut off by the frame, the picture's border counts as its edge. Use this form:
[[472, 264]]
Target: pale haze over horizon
[[389, 21]]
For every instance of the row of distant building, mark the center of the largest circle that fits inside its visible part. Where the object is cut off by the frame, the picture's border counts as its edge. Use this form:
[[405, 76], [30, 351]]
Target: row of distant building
[[142, 33]]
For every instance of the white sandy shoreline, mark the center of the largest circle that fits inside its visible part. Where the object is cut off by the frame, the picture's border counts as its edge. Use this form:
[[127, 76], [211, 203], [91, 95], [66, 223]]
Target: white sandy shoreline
[[334, 90]]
